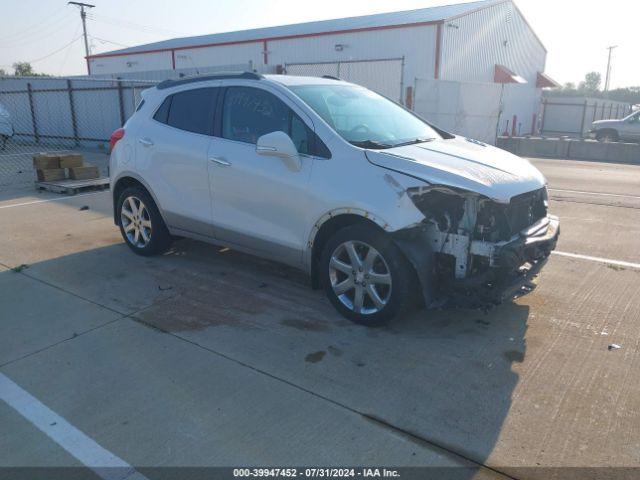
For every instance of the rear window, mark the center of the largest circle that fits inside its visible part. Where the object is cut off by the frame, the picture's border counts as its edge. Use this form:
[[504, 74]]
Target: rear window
[[192, 110]]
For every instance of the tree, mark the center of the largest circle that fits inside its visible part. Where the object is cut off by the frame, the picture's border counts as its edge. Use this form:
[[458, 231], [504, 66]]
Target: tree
[[628, 95], [23, 69], [591, 83], [2, 72]]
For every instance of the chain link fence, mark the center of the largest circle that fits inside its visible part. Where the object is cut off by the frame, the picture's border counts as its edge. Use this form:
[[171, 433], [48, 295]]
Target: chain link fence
[[573, 116], [74, 114], [56, 115]]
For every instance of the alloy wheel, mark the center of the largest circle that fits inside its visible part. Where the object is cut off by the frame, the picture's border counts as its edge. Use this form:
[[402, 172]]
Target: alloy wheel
[[360, 277], [136, 221]]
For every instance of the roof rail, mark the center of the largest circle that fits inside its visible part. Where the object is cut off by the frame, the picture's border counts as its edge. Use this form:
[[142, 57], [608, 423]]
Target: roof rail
[[203, 78], [331, 77]]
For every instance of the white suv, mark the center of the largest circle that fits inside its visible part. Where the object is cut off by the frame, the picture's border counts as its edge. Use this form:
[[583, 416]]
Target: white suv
[[369, 199]]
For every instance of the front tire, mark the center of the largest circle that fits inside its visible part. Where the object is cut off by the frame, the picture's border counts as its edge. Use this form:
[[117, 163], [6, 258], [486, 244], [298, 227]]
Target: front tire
[[365, 275], [607, 136], [141, 224]]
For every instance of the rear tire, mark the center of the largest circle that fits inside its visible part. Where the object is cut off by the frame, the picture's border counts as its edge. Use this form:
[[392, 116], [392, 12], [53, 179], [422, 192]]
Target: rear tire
[[141, 224], [365, 275]]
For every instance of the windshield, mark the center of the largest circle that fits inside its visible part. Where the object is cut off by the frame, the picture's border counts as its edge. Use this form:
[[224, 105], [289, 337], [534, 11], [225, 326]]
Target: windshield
[[634, 117], [364, 118]]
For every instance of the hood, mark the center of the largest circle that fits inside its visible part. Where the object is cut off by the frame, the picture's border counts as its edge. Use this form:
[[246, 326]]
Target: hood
[[606, 123], [465, 164]]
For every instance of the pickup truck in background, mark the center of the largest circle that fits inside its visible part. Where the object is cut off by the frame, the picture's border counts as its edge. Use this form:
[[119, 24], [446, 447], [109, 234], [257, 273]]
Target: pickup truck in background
[[623, 130]]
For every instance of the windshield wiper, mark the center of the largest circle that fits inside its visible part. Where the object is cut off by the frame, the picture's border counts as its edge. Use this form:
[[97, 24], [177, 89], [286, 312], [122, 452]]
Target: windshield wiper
[[414, 141], [371, 144]]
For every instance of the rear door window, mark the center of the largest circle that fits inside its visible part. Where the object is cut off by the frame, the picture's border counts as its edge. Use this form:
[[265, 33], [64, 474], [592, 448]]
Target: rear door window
[[163, 112]]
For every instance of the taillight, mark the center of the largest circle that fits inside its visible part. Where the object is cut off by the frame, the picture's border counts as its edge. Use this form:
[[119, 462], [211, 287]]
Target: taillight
[[115, 136]]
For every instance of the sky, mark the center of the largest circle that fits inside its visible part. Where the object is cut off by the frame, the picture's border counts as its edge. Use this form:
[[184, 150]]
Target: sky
[[48, 32]]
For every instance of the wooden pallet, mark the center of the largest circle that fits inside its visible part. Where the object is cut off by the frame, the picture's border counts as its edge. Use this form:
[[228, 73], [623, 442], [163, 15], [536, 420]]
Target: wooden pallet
[[71, 187]]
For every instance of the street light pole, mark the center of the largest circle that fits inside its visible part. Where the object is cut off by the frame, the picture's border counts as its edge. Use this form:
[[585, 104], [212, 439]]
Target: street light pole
[[83, 16], [608, 78]]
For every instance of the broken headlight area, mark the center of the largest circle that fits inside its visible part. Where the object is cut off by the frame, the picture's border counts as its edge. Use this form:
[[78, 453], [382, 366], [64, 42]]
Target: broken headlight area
[[477, 246]]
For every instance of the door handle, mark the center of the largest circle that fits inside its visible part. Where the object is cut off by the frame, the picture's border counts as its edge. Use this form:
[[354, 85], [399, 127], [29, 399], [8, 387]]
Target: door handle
[[146, 142], [220, 161]]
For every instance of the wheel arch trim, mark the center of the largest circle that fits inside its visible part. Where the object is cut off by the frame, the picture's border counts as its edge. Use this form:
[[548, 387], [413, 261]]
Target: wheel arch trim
[[129, 174], [308, 253]]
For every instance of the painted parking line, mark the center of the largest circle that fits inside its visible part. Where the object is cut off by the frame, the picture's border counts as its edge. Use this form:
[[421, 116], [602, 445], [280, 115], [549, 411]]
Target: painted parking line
[[619, 263], [104, 463], [57, 199], [599, 194]]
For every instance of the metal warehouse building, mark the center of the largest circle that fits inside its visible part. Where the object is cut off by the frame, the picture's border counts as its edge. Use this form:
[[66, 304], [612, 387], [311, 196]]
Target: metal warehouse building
[[474, 68]]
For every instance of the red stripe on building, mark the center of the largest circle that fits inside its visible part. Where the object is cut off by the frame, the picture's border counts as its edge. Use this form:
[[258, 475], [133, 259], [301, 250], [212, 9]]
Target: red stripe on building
[[269, 39]]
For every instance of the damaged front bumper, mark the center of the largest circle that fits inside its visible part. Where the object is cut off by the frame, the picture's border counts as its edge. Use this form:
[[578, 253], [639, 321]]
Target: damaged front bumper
[[477, 274], [512, 265]]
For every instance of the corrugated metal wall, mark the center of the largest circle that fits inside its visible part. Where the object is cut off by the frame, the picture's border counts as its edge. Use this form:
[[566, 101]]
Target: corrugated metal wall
[[472, 45], [159, 75], [416, 44], [475, 43], [141, 62], [222, 55], [384, 76]]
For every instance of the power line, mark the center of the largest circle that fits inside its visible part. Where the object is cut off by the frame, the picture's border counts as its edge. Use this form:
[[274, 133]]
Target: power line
[[32, 37], [48, 21], [56, 51], [66, 57], [103, 40], [49, 54], [133, 26]]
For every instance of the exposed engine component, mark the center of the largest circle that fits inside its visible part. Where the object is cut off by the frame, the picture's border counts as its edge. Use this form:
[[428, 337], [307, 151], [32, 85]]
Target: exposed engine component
[[466, 231], [444, 206]]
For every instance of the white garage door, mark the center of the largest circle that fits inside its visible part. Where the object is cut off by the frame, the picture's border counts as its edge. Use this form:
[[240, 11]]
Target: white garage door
[[382, 76]]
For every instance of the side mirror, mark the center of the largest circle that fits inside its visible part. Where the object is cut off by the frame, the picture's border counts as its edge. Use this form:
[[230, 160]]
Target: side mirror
[[279, 144]]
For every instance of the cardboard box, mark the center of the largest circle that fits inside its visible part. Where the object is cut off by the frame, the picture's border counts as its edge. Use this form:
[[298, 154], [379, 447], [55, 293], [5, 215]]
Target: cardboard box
[[51, 174], [87, 172], [45, 161], [71, 160]]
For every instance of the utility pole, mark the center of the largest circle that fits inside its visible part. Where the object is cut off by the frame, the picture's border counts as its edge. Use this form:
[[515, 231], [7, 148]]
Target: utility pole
[[608, 78], [83, 16]]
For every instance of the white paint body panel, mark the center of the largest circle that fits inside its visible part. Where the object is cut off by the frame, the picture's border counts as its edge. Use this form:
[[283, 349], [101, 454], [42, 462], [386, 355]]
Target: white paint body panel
[[259, 205], [489, 171]]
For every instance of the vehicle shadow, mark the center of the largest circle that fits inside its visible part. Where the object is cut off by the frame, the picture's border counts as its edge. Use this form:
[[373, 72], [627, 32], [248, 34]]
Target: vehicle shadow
[[438, 378]]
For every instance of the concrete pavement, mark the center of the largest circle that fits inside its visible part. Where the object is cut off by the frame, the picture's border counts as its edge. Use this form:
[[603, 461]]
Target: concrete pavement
[[202, 357]]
